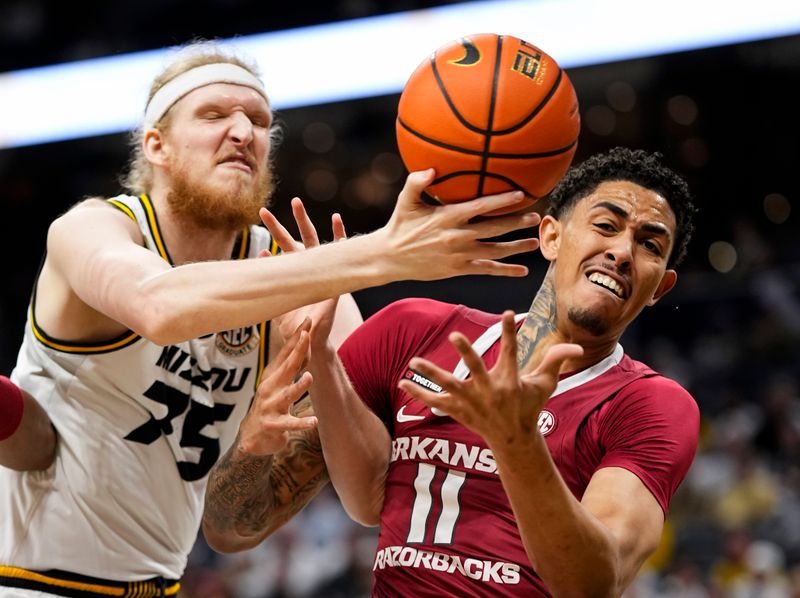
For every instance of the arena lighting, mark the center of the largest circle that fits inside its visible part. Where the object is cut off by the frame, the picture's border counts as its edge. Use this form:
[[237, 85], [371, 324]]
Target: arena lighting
[[375, 56]]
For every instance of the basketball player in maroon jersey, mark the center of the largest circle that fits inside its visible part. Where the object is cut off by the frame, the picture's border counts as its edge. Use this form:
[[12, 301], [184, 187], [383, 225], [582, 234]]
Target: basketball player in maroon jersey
[[499, 464]]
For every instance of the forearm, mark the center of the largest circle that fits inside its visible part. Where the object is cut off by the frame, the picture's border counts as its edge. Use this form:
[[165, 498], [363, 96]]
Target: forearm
[[236, 294], [572, 551], [348, 318], [31, 444], [248, 497], [355, 443]]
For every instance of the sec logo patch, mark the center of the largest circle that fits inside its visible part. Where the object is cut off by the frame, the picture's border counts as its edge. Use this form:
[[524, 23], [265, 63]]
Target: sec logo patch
[[237, 342], [547, 422]]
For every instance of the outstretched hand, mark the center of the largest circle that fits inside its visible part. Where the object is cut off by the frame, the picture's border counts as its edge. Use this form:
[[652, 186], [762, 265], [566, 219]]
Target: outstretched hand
[[499, 404], [321, 313], [266, 427], [433, 242]]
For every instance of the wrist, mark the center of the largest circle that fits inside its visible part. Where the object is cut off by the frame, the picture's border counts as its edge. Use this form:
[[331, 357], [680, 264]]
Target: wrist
[[321, 353], [383, 256], [523, 447], [12, 404]]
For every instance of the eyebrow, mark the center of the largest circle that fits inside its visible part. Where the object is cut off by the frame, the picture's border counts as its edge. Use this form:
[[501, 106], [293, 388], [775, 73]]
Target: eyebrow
[[656, 229]]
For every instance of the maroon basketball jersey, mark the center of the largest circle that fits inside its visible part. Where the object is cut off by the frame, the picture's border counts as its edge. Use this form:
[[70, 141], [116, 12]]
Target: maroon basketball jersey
[[447, 528]]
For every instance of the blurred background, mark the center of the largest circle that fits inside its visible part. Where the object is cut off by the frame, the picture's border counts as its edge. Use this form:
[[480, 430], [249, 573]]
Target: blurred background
[[725, 116]]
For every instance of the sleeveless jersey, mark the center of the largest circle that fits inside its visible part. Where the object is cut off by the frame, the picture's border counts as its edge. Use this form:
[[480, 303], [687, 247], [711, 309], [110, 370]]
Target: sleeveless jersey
[[447, 528], [139, 427]]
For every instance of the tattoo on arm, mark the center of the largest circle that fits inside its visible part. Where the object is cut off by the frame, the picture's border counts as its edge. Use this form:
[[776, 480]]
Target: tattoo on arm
[[540, 321], [298, 472], [253, 495], [237, 496]]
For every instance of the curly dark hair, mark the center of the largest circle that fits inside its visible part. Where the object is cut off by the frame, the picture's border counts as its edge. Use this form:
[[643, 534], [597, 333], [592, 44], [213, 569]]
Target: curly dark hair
[[637, 166]]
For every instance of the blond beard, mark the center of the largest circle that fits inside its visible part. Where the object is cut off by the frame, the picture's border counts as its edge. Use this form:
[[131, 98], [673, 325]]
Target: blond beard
[[218, 207]]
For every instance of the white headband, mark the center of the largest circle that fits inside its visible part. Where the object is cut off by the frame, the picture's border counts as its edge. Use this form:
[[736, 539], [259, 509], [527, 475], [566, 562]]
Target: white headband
[[175, 89]]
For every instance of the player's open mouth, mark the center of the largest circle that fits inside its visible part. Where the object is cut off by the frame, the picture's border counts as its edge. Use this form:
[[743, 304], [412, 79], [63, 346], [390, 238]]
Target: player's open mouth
[[607, 283]]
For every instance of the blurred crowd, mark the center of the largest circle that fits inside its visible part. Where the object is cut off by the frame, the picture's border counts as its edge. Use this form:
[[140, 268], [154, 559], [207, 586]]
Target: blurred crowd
[[734, 525]]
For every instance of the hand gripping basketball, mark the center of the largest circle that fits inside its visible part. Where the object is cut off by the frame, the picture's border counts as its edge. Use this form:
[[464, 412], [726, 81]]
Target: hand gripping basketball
[[490, 113]]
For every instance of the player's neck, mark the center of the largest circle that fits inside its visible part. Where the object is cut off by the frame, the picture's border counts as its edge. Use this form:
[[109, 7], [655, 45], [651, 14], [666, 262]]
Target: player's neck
[[539, 331], [539, 326], [187, 241]]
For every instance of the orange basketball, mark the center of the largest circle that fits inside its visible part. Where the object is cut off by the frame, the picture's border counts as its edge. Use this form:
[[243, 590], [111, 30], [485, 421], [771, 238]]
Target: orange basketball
[[490, 113]]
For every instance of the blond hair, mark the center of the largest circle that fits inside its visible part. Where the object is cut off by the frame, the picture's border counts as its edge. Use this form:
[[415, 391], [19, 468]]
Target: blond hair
[[138, 177]]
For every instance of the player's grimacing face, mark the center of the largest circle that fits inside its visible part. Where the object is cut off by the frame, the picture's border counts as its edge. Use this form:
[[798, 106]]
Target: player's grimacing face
[[220, 134], [611, 256]]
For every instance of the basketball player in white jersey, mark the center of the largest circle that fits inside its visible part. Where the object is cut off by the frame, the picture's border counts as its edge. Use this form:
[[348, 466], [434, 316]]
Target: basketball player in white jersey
[[149, 330]]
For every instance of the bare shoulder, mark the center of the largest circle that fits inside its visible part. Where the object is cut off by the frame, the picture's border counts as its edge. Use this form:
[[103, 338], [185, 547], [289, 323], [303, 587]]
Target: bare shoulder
[[94, 213], [87, 205], [91, 206]]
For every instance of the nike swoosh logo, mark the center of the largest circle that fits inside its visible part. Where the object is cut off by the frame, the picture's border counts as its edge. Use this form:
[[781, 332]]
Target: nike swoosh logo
[[402, 417], [471, 54]]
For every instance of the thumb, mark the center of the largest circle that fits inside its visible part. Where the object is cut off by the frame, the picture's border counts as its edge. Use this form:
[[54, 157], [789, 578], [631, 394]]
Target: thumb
[[416, 182]]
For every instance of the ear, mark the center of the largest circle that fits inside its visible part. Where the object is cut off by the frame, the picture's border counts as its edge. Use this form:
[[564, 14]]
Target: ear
[[153, 145], [665, 286], [549, 237]]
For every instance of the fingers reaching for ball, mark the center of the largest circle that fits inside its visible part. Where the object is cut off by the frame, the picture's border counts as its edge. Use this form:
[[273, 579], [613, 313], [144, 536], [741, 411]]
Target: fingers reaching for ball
[[490, 113]]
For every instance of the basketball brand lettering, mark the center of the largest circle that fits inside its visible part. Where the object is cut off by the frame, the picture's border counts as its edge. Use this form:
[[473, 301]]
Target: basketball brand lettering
[[422, 380], [478, 569], [454, 454], [527, 64]]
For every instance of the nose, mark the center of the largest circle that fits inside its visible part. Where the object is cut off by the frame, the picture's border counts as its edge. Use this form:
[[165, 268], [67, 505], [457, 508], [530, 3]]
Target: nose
[[620, 252], [241, 129]]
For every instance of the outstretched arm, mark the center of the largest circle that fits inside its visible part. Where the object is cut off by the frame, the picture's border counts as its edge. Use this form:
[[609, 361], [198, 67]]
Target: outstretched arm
[[96, 258], [27, 438]]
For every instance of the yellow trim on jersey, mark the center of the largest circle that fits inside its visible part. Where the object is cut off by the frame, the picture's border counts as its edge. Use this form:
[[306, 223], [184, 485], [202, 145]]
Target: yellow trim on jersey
[[151, 220], [62, 583], [274, 248], [244, 248], [123, 207], [263, 349], [65, 347], [138, 589], [126, 209], [89, 347]]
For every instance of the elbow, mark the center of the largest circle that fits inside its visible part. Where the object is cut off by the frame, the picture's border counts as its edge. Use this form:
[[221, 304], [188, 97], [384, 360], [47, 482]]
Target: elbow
[[601, 577], [364, 517], [47, 455], [605, 583], [228, 541], [594, 587], [158, 319], [158, 334], [366, 513]]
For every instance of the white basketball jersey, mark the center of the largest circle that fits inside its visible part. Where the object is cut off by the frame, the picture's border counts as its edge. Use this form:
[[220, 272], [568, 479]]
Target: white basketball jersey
[[139, 427]]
